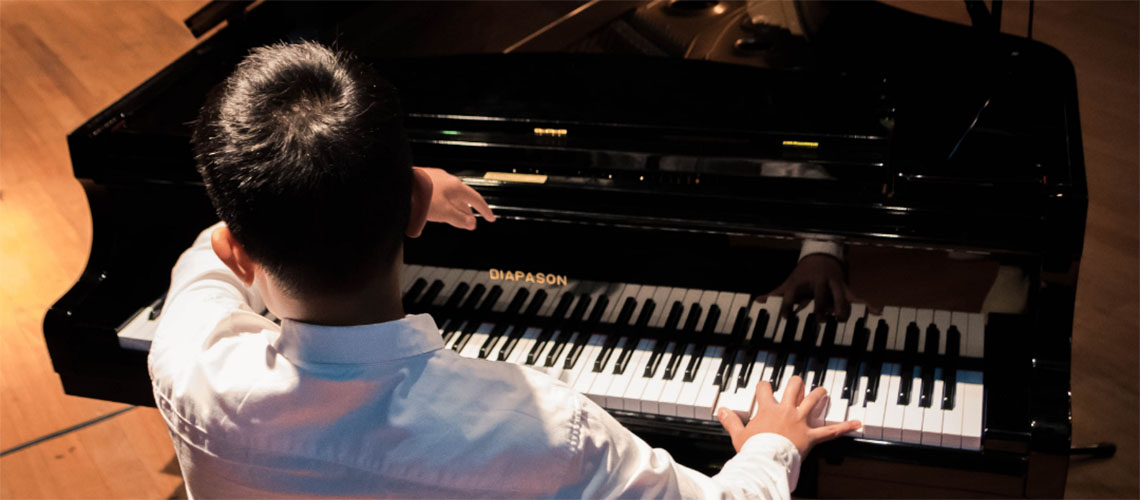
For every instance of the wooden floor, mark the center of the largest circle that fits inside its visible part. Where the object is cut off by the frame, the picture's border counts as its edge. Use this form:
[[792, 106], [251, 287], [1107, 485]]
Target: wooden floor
[[61, 62]]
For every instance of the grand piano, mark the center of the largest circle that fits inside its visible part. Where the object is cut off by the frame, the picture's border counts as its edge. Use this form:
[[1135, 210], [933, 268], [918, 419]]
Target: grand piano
[[655, 167]]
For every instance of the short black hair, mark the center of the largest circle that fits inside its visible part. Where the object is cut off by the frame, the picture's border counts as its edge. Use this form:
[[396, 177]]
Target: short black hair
[[303, 153]]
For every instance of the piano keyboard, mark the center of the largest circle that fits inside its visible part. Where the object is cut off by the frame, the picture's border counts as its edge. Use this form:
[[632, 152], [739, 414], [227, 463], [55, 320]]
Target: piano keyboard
[[722, 344], [684, 353]]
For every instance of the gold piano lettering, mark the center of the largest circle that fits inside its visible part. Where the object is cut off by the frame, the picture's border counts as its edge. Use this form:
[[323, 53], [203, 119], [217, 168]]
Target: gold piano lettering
[[536, 278]]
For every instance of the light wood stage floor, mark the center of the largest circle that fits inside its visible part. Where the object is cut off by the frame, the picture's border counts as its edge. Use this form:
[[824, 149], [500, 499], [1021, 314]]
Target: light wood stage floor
[[61, 62]]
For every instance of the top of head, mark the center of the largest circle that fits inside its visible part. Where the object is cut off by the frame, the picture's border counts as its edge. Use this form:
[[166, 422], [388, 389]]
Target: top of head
[[304, 157]]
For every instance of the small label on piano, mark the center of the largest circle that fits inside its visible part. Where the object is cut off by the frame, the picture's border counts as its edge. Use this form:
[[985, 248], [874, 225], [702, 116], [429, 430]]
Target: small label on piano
[[514, 177]]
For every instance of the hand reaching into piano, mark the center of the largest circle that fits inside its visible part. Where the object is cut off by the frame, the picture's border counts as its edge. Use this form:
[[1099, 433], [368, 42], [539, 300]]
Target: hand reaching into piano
[[819, 277], [452, 200], [789, 418]]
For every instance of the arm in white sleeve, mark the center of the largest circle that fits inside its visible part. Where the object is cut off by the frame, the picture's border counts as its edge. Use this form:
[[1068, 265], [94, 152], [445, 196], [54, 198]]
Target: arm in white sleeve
[[618, 464], [206, 301], [825, 247]]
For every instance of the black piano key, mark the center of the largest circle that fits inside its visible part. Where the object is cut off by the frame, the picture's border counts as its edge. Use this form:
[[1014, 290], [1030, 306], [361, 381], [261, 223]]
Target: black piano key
[[787, 343], [950, 371], [829, 330], [567, 332], [906, 374], [698, 356], [675, 361], [552, 322], [413, 292], [926, 394], [754, 344], [660, 349], [451, 328], [584, 336], [739, 330], [429, 296], [693, 319], [520, 327], [500, 329], [874, 373], [807, 345], [858, 348], [473, 323], [790, 325], [631, 344]]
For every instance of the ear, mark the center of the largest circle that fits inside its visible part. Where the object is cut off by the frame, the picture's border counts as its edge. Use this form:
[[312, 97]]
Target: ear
[[232, 254], [421, 202]]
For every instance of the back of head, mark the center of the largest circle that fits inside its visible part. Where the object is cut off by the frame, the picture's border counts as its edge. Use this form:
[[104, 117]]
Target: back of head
[[304, 156]]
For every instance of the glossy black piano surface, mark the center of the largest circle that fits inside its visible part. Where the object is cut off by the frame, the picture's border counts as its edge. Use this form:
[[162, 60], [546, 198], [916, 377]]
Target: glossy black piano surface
[[624, 145]]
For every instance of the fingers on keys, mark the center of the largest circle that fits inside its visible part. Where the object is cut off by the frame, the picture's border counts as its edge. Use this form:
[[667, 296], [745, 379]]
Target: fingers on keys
[[829, 432]]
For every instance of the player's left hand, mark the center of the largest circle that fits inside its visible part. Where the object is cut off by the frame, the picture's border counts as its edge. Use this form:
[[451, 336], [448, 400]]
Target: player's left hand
[[452, 201]]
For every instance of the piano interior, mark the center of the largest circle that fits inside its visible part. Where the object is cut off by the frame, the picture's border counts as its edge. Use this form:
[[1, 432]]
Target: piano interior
[[656, 167]]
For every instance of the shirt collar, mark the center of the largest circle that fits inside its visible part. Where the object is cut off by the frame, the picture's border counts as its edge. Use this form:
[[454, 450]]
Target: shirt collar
[[414, 335]]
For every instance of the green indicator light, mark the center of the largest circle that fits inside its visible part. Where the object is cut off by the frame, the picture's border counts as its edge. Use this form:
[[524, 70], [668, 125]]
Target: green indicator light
[[449, 132]]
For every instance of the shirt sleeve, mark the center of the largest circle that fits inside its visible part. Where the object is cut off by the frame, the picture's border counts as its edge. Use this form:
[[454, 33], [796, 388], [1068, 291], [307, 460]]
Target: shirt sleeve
[[206, 301], [618, 464], [832, 248]]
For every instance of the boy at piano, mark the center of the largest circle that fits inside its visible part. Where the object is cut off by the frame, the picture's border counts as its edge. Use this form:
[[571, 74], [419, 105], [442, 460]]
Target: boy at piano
[[304, 157]]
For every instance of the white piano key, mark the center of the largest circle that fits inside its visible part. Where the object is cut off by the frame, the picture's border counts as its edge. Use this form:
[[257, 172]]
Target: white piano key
[[643, 296], [508, 293], [726, 301], [667, 403], [837, 406], [875, 411], [408, 276], [559, 367], [573, 374], [607, 383], [705, 406], [891, 316], [924, 318], [858, 310], [661, 298], [631, 398], [856, 411], [970, 384], [451, 281], [522, 347], [615, 394], [976, 345], [617, 302], [651, 397], [912, 413], [952, 419], [690, 389], [478, 337], [707, 300], [942, 322], [744, 397], [892, 412], [782, 384], [772, 307], [605, 377], [906, 317], [801, 320], [584, 382], [932, 417], [692, 296]]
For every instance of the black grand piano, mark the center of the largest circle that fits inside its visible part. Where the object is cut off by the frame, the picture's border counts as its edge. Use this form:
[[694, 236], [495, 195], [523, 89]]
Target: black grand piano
[[656, 166]]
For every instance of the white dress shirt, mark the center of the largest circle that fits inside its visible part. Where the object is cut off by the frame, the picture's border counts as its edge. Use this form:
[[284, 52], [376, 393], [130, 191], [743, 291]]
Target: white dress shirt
[[258, 410]]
